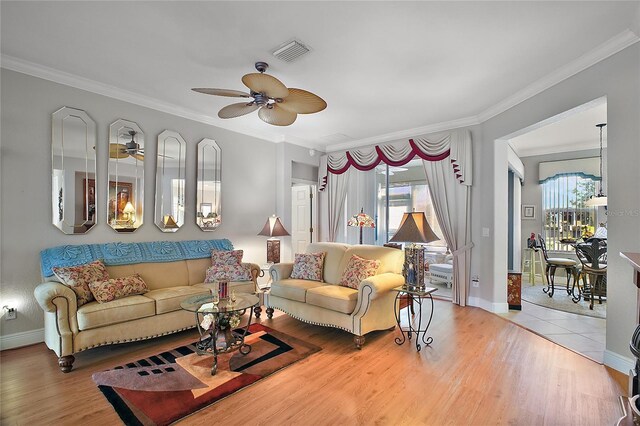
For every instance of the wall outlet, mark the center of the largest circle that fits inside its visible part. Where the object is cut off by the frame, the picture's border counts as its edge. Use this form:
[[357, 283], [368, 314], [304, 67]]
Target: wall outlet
[[11, 314], [475, 281]]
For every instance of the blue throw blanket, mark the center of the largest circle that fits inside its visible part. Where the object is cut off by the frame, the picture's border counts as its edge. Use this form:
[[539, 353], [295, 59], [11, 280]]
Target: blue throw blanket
[[128, 253]]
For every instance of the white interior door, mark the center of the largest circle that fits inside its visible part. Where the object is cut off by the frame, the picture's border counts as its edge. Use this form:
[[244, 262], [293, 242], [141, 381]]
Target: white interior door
[[302, 216]]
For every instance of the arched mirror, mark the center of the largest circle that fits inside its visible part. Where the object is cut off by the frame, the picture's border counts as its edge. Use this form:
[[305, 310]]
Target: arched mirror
[[73, 174], [126, 176], [209, 211], [169, 209]]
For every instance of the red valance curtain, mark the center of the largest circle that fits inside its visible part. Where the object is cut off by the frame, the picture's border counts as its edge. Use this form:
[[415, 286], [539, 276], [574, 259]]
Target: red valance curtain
[[455, 145]]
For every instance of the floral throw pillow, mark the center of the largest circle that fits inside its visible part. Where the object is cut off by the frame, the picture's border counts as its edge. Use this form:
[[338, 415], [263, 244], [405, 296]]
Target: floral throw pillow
[[116, 288], [226, 257], [357, 270], [228, 273], [308, 266], [79, 277]]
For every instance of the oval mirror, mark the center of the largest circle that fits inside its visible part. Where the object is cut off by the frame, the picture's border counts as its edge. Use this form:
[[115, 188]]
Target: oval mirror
[[170, 173], [73, 173], [126, 176], [209, 212]]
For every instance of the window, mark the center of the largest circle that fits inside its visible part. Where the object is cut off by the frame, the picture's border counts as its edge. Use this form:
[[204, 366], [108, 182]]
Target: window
[[400, 190], [565, 215]]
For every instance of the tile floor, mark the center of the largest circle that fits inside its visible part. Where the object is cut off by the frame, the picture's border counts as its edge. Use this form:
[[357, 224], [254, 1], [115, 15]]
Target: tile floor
[[582, 334]]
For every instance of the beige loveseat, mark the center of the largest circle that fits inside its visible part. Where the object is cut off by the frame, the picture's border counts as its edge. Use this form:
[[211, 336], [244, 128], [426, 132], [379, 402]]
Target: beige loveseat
[[70, 329], [370, 307]]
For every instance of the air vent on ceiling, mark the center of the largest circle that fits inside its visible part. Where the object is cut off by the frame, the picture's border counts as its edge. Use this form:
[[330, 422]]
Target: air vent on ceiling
[[291, 51]]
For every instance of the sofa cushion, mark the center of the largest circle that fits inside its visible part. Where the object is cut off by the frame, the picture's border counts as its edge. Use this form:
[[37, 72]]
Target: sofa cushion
[[227, 273], [334, 253], [116, 288], [226, 257], [163, 274], [94, 314], [79, 277], [293, 289], [333, 297], [391, 260], [169, 299], [308, 266], [357, 270]]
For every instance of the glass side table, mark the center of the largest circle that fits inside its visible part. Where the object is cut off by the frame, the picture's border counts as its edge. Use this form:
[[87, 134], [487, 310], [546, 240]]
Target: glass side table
[[221, 335], [419, 296]]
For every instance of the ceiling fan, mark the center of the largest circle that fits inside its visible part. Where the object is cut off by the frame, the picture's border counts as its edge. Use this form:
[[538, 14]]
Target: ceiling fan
[[131, 148], [277, 104]]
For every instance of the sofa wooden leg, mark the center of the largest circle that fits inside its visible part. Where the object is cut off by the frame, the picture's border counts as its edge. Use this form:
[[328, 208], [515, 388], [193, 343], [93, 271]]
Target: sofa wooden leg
[[358, 341], [269, 313], [66, 363], [257, 311]]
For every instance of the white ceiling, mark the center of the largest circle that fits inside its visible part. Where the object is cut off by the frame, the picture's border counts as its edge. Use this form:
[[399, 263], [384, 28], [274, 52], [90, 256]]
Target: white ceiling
[[572, 131], [386, 69]]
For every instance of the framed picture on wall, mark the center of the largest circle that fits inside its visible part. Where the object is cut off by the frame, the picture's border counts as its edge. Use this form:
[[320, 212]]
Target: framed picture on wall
[[528, 211]]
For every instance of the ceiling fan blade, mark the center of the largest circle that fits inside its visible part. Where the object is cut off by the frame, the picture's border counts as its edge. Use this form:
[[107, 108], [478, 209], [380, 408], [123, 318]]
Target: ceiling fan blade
[[138, 156], [302, 102], [264, 83], [237, 110], [118, 150], [277, 116], [222, 92]]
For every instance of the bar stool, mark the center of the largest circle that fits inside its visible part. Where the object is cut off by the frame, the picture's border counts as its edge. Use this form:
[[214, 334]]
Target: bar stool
[[569, 265], [532, 257]]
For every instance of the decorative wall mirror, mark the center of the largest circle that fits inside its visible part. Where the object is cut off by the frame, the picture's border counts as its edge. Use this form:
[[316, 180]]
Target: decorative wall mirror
[[73, 173], [126, 176], [209, 211], [170, 174]]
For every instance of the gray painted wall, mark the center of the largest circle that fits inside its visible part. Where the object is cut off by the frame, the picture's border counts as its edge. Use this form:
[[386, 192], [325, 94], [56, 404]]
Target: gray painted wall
[[617, 78], [248, 183]]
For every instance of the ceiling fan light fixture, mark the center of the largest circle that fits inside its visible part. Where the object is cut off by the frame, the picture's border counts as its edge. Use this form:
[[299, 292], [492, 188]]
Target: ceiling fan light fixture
[[291, 51]]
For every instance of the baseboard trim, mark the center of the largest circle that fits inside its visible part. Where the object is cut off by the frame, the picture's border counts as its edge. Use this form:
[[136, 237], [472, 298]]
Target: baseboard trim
[[496, 308], [618, 362], [25, 338]]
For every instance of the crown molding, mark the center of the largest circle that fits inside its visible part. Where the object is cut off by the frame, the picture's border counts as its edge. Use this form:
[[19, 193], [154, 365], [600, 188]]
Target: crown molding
[[605, 50], [403, 134], [75, 81], [600, 53]]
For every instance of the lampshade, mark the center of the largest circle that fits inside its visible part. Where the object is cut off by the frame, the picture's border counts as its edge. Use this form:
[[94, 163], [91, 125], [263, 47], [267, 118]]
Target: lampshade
[[128, 208], [597, 201], [362, 220], [273, 228], [414, 228]]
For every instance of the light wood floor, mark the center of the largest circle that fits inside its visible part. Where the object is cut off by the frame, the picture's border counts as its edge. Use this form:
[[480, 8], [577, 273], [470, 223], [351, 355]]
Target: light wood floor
[[481, 370]]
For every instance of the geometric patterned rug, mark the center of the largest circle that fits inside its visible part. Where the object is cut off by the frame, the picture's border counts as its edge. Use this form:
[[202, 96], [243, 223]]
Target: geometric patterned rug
[[167, 387]]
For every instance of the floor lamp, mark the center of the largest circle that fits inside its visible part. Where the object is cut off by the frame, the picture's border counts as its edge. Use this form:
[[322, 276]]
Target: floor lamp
[[361, 220], [273, 228], [413, 229]]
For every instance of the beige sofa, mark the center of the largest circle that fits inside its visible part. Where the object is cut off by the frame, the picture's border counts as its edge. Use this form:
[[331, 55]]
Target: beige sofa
[[370, 307], [70, 329]]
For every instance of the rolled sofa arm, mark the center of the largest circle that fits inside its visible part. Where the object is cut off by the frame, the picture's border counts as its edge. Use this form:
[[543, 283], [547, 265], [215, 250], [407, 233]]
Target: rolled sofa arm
[[255, 271], [58, 298], [280, 271], [382, 283]]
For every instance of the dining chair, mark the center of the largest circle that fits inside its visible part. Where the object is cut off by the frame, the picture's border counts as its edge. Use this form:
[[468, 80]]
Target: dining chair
[[552, 264], [593, 257]]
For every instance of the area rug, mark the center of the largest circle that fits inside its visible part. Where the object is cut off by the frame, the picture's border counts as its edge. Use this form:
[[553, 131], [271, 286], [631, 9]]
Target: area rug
[[166, 387], [562, 302]]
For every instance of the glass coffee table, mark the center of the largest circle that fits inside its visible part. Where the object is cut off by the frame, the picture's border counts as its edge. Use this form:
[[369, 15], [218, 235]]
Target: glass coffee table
[[218, 324]]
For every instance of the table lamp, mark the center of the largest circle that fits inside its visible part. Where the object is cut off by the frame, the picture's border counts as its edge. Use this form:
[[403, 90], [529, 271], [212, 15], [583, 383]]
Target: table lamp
[[273, 228], [361, 220], [414, 228]]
